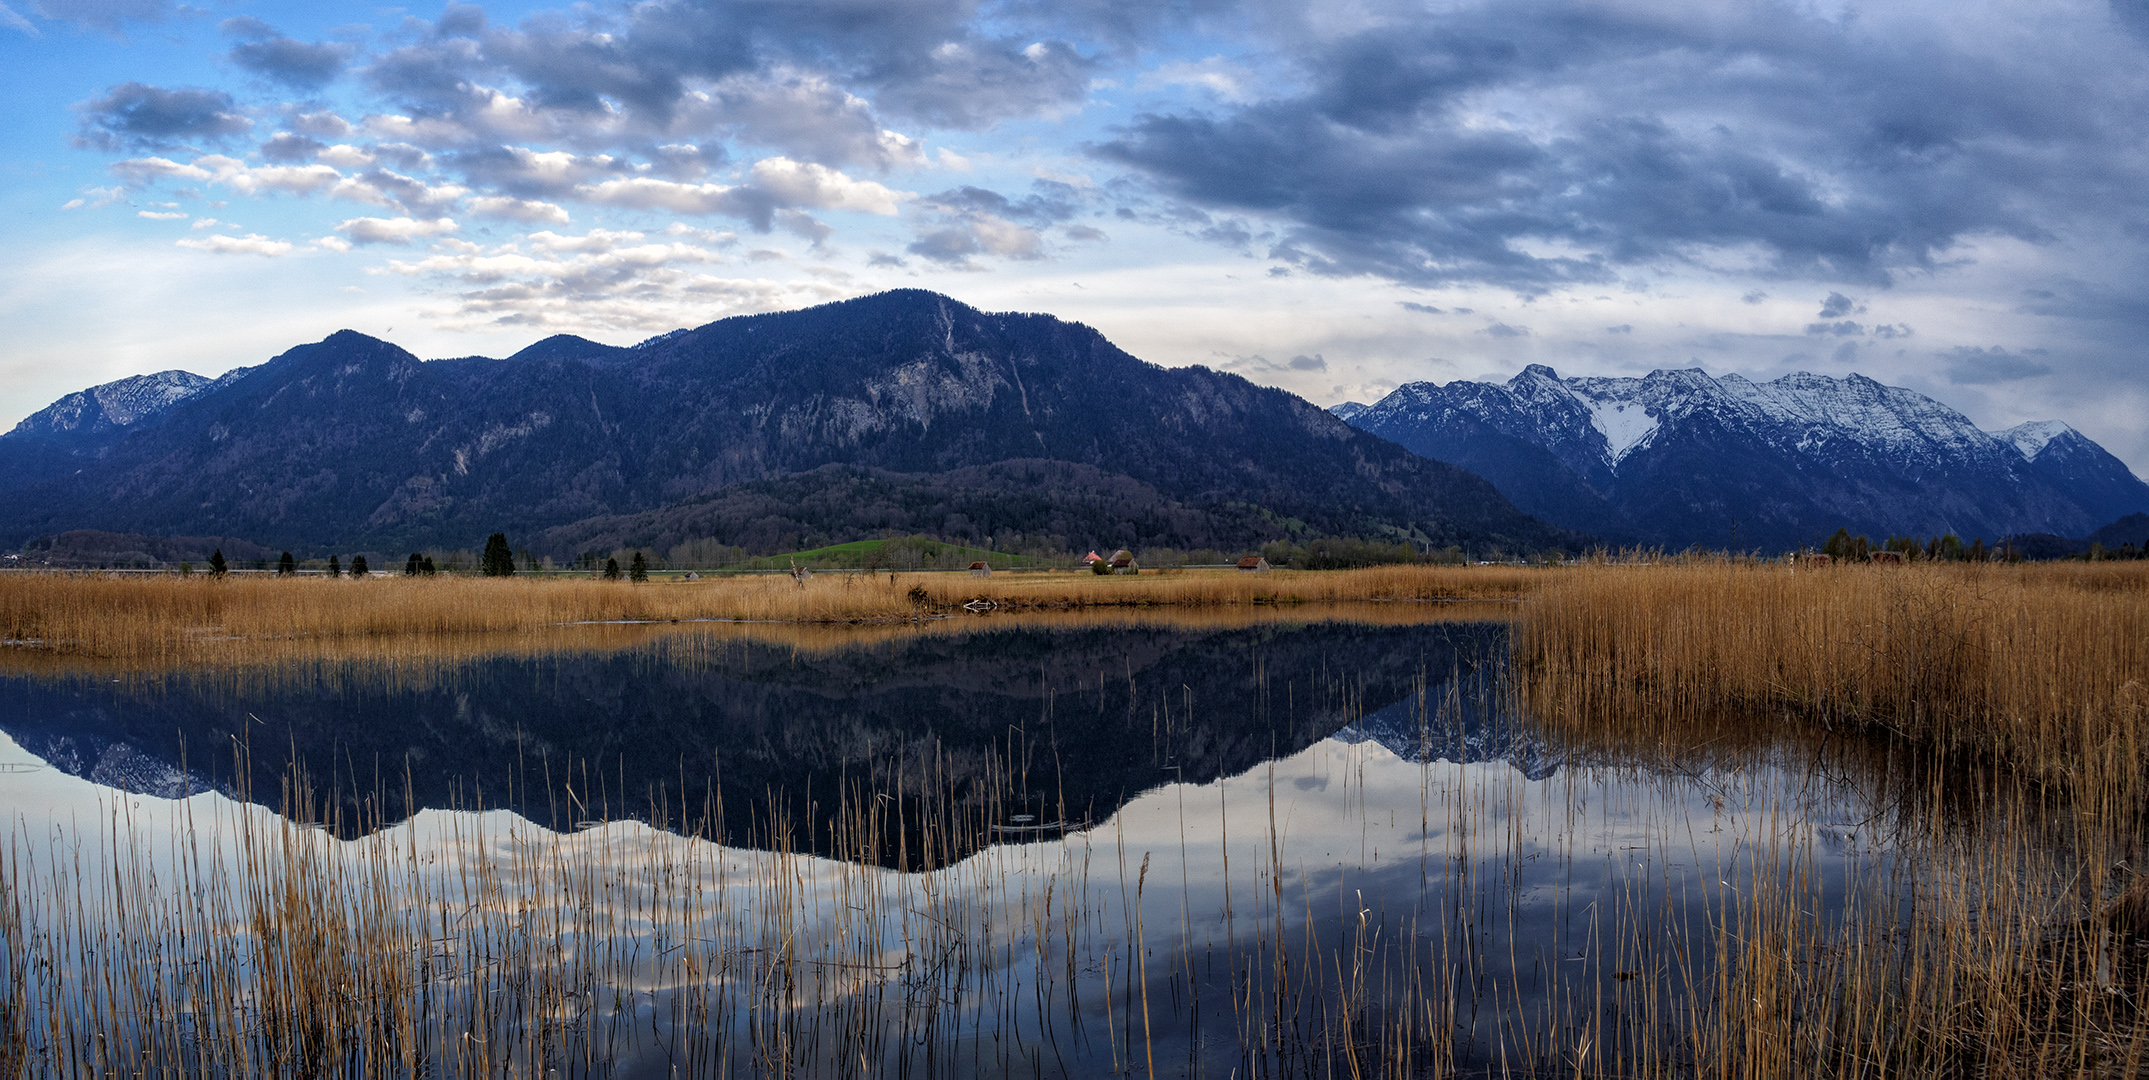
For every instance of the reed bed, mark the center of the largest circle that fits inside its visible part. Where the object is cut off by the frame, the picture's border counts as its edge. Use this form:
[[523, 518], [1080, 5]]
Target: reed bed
[[2010, 705], [2042, 668], [171, 620], [306, 659]]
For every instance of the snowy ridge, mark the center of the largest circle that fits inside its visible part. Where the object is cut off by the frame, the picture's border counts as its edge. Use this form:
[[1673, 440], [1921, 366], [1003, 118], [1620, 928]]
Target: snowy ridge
[[116, 404], [1678, 457], [1802, 411]]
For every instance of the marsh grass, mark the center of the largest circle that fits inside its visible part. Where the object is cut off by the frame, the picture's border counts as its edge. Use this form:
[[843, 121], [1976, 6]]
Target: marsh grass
[[2044, 669], [2009, 705], [176, 620]]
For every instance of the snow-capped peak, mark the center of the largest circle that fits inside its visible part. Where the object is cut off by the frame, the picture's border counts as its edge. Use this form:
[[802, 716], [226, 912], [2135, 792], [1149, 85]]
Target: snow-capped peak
[[2033, 437]]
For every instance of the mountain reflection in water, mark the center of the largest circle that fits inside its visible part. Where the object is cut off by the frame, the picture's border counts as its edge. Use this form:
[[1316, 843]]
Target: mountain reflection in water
[[1303, 848], [984, 733]]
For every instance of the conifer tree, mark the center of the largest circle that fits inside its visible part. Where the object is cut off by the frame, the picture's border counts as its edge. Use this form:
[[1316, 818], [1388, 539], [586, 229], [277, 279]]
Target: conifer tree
[[335, 566], [410, 568], [499, 560], [611, 569], [217, 565], [286, 566], [358, 566], [426, 567], [639, 571]]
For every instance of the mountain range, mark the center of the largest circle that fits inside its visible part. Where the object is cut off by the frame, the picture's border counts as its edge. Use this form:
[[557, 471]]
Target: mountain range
[[899, 412], [1679, 458]]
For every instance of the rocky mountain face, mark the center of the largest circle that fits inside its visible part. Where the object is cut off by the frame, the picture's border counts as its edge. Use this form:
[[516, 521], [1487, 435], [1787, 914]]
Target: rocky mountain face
[[1680, 458], [85, 414], [352, 441]]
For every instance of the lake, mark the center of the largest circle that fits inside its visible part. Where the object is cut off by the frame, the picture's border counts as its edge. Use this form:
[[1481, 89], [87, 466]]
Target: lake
[[1302, 843]]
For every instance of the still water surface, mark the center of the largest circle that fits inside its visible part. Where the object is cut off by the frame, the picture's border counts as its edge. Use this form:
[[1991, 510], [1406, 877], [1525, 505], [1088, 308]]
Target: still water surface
[[1285, 848]]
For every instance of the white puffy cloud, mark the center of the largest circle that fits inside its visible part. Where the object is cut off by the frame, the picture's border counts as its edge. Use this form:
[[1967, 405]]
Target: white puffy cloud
[[162, 215], [345, 156], [397, 231], [776, 187], [528, 211], [807, 184], [250, 244], [649, 193], [326, 125], [143, 170]]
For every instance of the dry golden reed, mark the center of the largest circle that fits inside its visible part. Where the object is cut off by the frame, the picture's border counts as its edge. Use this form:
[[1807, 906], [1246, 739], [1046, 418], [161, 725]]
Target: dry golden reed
[[2041, 667], [173, 619], [2008, 705]]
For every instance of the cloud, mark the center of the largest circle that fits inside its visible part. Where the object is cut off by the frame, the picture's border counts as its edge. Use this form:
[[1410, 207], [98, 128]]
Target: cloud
[[1838, 305], [13, 21], [286, 148], [252, 244], [795, 183], [955, 243], [524, 210], [92, 198], [522, 171], [1845, 328], [609, 278], [377, 187], [969, 221], [1227, 80], [300, 65], [162, 215], [344, 156], [109, 16], [1530, 144], [326, 125], [138, 115], [1260, 364], [775, 184], [1502, 330], [1972, 366], [395, 231], [1422, 309]]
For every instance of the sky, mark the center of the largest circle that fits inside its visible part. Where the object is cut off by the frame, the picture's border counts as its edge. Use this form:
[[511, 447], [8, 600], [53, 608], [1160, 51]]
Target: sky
[[1334, 198]]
